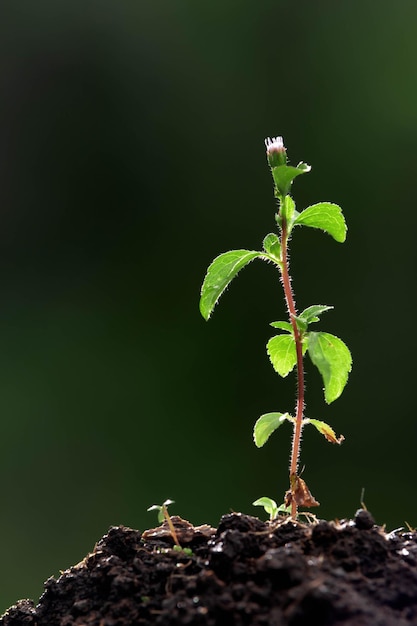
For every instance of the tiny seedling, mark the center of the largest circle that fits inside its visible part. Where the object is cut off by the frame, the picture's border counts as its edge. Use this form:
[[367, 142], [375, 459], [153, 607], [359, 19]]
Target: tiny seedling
[[163, 515], [271, 507], [287, 349]]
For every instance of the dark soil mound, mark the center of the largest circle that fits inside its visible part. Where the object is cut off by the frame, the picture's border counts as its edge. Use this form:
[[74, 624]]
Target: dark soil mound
[[246, 572]]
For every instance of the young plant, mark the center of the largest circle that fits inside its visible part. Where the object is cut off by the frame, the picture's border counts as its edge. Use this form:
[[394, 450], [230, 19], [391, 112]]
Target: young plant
[[287, 349], [163, 515], [271, 507]]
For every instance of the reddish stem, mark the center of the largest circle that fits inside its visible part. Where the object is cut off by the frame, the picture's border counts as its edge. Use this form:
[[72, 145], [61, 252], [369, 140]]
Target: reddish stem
[[289, 297]]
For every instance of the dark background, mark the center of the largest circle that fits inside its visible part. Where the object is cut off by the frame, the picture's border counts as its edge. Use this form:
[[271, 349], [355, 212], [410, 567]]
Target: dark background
[[131, 154]]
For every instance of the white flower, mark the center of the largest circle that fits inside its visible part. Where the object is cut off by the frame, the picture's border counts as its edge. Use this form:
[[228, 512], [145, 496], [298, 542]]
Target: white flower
[[274, 144]]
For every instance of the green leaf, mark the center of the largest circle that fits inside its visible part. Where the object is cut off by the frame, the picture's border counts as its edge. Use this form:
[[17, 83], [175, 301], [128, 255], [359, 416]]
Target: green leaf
[[326, 216], [284, 509], [269, 505], [272, 246], [284, 175], [160, 509], [301, 323], [282, 325], [333, 360], [219, 274], [311, 313], [282, 353], [266, 425], [326, 430]]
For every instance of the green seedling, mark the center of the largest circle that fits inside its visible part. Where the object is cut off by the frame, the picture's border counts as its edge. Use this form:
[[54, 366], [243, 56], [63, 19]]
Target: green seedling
[[294, 340], [163, 515], [271, 507]]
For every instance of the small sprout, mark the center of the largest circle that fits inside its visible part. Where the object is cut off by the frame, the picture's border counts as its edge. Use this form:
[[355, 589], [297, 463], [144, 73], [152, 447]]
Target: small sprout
[[161, 509], [362, 499], [271, 507], [164, 515]]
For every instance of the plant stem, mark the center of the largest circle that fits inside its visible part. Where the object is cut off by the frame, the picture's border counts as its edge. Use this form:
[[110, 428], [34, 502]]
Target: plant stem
[[292, 311], [170, 525]]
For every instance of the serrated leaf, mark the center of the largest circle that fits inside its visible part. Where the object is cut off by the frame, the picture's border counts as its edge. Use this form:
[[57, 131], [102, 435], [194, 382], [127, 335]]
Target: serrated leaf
[[326, 216], [282, 325], [282, 354], [265, 426], [326, 430], [311, 313], [284, 175], [272, 246], [219, 274], [333, 360]]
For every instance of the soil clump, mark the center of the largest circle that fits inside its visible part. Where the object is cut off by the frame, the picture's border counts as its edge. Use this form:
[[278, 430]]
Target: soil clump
[[244, 573]]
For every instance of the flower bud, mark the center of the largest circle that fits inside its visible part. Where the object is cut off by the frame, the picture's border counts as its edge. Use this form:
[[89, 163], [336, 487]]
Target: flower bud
[[275, 151]]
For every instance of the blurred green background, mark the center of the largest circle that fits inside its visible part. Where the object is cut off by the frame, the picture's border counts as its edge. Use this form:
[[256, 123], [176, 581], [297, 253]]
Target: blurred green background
[[131, 154]]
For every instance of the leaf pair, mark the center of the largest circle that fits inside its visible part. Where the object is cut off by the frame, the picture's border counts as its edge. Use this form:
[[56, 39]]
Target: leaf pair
[[271, 507], [270, 422], [329, 354], [324, 215]]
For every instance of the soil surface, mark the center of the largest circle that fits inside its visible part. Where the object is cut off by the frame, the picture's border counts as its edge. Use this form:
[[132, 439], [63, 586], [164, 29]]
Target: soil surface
[[245, 572]]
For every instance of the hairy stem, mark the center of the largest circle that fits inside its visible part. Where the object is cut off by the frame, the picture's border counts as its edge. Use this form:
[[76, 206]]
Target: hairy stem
[[289, 298]]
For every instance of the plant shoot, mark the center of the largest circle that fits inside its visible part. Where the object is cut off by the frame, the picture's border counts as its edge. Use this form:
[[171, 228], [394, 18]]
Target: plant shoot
[[287, 349]]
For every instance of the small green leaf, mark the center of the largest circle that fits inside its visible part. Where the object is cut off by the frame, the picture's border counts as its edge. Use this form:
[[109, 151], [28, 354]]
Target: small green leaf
[[284, 175], [269, 505], [219, 274], [265, 426], [326, 216], [160, 509], [284, 509], [333, 360], [311, 313], [282, 353], [282, 325], [302, 324], [272, 246], [326, 430]]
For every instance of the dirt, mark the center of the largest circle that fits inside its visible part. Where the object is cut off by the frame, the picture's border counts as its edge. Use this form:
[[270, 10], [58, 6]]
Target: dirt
[[247, 572]]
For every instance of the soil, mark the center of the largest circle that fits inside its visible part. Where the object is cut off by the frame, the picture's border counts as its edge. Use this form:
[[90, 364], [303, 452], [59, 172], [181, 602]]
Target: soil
[[247, 572]]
